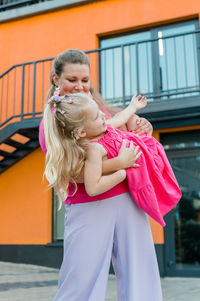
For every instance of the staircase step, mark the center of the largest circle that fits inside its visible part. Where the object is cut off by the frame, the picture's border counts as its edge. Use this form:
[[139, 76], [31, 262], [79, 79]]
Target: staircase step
[[13, 143], [33, 135], [8, 162], [29, 145], [33, 144], [19, 138], [8, 155], [7, 148]]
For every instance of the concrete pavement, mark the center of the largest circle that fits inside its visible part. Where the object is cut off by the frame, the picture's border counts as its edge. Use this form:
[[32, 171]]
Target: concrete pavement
[[20, 282]]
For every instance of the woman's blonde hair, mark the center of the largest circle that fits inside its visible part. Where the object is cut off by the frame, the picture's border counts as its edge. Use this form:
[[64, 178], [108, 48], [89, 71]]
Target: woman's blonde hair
[[65, 156], [75, 56], [70, 56]]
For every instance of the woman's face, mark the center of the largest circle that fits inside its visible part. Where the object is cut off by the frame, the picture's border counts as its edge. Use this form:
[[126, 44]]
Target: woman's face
[[75, 78]]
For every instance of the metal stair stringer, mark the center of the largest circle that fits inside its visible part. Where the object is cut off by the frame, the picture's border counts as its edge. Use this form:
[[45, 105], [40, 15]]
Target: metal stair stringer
[[11, 150]]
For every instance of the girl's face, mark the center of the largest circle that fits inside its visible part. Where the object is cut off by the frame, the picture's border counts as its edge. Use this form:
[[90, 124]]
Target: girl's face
[[95, 123], [75, 78]]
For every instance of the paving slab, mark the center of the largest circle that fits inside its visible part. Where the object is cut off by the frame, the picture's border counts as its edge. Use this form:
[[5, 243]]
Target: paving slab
[[20, 282]]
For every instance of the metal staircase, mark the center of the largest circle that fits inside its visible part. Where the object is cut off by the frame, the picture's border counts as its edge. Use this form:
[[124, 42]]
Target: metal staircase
[[22, 97], [17, 141]]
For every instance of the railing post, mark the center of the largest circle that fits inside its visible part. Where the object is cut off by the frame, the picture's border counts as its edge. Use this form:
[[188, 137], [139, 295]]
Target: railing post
[[137, 68], [1, 113], [156, 65], [197, 37], [34, 87], [7, 96], [123, 77], [22, 92]]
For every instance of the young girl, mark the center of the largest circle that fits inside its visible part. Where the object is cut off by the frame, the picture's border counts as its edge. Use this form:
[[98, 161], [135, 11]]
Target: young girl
[[109, 225], [153, 186]]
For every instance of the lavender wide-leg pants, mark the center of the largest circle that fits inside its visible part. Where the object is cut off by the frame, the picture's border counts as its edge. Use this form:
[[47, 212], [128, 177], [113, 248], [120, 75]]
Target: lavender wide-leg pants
[[97, 231]]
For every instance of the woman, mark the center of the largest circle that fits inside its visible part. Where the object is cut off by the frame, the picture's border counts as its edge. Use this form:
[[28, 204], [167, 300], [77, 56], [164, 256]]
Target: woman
[[107, 225]]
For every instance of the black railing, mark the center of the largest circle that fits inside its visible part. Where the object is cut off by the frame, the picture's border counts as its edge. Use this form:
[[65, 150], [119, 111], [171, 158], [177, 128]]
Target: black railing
[[22, 90], [167, 67], [117, 71], [11, 4]]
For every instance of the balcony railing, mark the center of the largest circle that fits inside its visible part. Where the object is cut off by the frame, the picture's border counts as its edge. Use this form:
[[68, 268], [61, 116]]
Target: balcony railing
[[116, 71], [11, 4], [165, 68]]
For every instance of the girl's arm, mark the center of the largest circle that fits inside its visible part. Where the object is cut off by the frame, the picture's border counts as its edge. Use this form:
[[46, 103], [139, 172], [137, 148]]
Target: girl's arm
[[139, 125], [126, 158], [122, 117], [94, 182]]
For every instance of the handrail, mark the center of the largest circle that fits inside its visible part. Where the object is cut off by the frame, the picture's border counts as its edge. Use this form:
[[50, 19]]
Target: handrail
[[143, 41], [18, 3], [25, 64], [108, 48]]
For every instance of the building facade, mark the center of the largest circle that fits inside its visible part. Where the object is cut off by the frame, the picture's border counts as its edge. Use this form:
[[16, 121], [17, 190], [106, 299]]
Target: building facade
[[146, 45]]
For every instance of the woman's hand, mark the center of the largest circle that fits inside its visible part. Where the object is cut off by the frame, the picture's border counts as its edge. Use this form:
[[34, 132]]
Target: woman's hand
[[128, 155], [143, 126]]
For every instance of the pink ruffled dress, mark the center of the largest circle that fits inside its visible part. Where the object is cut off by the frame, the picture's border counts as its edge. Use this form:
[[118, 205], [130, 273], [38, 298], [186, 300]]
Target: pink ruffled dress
[[153, 185]]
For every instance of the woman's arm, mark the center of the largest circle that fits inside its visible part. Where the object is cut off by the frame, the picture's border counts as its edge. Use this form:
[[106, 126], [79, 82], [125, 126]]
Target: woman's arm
[[94, 182]]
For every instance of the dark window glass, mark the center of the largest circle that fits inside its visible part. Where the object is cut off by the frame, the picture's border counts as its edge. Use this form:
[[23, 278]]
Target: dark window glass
[[181, 140], [183, 151]]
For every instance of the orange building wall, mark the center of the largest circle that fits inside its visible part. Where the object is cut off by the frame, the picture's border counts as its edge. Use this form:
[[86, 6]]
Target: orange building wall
[[26, 206], [46, 35], [25, 215]]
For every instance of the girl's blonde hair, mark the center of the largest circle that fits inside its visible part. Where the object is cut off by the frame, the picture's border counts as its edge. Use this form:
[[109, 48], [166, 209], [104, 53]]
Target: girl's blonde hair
[[65, 156]]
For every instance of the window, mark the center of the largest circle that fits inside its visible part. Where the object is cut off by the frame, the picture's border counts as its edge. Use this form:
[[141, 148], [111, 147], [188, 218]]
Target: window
[[58, 231], [178, 59], [181, 140], [126, 64], [161, 61], [182, 235]]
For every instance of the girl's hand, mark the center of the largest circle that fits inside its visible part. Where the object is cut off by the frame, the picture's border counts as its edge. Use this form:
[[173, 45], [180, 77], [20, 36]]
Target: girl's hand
[[143, 126], [138, 102], [128, 155]]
